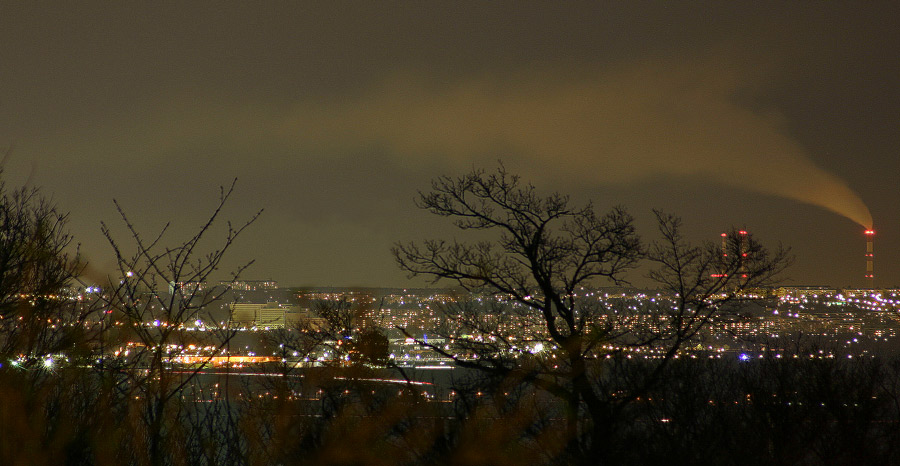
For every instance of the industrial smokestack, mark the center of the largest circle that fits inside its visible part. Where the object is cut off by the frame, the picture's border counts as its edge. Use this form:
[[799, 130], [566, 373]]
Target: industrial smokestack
[[724, 247], [743, 236], [870, 258], [723, 261]]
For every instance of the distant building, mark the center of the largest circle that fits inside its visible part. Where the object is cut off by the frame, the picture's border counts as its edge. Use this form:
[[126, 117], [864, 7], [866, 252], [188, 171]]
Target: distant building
[[187, 288], [804, 291], [272, 315], [250, 285], [244, 314], [858, 292]]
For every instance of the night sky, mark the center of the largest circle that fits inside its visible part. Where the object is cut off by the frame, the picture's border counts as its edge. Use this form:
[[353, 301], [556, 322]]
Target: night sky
[[781, 118]]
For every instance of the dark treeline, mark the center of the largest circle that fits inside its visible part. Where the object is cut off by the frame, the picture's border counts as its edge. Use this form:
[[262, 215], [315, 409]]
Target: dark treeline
[[95, 380], [766, 411]]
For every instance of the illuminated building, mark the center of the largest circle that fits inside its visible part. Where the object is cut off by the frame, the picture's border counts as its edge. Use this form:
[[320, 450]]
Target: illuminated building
[[250, 285], [271, 315]]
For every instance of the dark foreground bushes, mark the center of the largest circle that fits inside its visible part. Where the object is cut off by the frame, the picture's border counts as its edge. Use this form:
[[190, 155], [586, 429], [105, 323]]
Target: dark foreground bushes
[[772, 411]]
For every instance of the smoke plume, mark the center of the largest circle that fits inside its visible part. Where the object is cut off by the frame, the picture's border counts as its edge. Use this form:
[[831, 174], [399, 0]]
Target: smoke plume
[[656, 118]]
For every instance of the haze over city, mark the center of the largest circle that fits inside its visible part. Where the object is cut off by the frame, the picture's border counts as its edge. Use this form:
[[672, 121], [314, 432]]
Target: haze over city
[[778, 118]]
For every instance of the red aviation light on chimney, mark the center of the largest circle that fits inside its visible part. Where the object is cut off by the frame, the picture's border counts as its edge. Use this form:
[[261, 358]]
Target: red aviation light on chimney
[[869, 232]]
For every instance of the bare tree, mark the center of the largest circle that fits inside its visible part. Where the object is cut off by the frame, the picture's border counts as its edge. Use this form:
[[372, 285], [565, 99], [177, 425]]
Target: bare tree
[[38, 313], [551, 332], [46, 332], [161, 290], [703, 280], [325, 393]]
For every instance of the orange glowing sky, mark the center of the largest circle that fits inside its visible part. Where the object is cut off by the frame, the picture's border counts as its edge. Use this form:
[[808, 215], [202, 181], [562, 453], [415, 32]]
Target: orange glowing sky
[[779, 118]]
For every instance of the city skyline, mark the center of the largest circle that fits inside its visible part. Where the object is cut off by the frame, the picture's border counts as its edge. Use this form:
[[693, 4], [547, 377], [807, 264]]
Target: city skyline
[[332, 117]]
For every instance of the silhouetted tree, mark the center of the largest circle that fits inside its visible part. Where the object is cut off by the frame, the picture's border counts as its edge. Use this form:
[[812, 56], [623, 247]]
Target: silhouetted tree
[[46, 333], [317, 408], [159, 291], [546, 254], [38, 271]]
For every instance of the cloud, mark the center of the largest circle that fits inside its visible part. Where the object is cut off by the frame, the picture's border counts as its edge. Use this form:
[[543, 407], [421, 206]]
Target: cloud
[[632, 122], [626, 123]]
